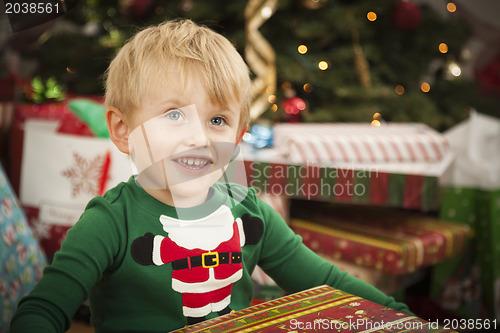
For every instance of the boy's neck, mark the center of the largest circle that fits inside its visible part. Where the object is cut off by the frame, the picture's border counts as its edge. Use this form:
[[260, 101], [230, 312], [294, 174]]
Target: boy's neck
[[166, 197]]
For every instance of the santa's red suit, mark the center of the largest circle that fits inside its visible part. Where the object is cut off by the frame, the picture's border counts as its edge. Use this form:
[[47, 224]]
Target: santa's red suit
[[206, 259]]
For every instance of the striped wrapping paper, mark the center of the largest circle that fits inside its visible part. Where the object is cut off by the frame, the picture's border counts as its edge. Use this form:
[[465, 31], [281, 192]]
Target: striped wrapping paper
[[392, 242], [344, 185], [359, 143], [322, 309]]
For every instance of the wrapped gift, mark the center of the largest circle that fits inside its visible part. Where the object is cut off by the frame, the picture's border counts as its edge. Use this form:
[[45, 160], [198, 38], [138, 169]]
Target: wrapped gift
[[55, 111], [359, 143], [364, 186], [21, 258], [462, 285], [60, 173], [317, 309], [469, 285], [23, 112], [393, 242]]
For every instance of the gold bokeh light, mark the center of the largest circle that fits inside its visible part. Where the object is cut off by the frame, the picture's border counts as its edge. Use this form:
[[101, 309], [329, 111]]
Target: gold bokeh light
[[302, 49], [371, 16]]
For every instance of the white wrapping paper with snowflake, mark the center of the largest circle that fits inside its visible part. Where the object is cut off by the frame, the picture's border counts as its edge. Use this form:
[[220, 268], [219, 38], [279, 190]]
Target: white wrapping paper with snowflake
[[60, 173]]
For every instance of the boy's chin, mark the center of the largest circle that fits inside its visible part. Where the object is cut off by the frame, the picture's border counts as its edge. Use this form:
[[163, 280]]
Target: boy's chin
[[189, 190]]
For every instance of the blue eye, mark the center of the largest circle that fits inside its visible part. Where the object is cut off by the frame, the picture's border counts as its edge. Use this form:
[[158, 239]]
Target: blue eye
[[174, 115], [217, 121]]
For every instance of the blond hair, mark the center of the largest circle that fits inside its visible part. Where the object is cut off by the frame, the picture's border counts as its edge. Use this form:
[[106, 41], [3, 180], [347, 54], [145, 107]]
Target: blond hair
[[193, 49]]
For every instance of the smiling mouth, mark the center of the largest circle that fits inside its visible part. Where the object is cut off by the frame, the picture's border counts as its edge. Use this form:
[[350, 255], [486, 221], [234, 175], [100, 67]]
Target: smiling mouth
[[193, 163]]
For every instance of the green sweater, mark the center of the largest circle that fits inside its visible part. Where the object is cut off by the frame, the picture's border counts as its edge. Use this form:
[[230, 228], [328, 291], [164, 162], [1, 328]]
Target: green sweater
[[95, 262]]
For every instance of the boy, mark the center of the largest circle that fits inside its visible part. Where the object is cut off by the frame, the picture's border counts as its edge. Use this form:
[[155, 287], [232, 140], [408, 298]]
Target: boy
[[173, 246]]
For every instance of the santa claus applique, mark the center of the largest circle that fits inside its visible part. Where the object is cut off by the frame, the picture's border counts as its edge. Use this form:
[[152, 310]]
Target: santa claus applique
[[205, 255]]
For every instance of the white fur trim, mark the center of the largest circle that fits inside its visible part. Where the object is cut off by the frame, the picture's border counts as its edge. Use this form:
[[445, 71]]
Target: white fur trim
[[156, 250], [205, 233], [210, 285], [242, 231], [197, 312], [219, 306], [203, 311]]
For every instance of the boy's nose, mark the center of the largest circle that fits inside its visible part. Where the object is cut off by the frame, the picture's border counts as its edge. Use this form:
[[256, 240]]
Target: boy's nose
[[196, 136]]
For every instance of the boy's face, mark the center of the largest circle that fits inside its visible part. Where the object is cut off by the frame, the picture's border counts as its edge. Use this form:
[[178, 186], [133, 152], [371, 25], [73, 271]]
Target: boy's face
[[179, 140]]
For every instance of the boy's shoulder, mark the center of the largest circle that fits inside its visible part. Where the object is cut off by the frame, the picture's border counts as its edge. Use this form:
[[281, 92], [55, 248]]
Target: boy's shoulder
[[112, 196], [114, 193]]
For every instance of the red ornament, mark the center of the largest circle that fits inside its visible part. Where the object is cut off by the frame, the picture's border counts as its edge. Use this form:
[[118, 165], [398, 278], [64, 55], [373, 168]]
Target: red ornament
[[137, 9], [293, 108], [489, 76], [406, 15]]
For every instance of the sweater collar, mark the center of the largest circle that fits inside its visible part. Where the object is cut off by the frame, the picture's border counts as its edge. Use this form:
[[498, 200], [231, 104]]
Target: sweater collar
[[216, 198]]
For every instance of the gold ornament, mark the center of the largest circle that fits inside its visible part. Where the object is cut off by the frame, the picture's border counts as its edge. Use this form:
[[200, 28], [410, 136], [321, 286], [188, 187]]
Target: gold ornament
[[360, 63], [362, 66], [260, 55]]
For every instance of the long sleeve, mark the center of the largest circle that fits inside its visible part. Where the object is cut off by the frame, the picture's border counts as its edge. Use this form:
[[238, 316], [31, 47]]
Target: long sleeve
[[89, 248], [295, 267]]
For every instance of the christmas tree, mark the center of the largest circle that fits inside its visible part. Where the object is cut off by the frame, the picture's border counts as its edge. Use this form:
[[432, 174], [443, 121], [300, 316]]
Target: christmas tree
[[347, 60]]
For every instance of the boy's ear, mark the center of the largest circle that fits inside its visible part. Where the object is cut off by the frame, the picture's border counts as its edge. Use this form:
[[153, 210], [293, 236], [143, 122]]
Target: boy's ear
[[240, 136], [117, 128]]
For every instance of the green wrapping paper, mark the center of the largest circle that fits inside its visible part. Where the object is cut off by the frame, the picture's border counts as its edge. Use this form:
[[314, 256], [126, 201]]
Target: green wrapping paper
[[469, 285], [369, 187]]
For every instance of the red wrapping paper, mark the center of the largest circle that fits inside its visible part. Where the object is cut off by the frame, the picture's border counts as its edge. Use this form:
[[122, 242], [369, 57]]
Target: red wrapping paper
[[319, 309], [393, 242]]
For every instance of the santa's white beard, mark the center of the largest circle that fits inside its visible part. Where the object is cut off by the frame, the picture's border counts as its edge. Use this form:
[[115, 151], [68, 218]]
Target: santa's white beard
[[206, 233]]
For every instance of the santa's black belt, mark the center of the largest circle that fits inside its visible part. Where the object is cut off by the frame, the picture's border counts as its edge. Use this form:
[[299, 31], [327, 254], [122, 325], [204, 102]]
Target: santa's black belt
[[207, 260]]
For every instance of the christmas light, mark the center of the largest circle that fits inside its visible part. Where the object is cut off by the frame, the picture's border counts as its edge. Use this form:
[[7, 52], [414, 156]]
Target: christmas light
[[376, 115], [308, 87], [454, 69], [302, 49], [399, 89], [323, 65], [451, 7], [266, 12], [69, 70], [425, 87], [375, 122], [271, 99], [371, 16], [443, 48], [274, 107]]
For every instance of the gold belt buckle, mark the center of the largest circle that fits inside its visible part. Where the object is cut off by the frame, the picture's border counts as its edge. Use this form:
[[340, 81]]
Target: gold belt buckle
[[214, 261]]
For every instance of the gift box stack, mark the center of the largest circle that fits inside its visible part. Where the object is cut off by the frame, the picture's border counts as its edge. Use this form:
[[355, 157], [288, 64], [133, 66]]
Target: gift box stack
[[59, 162], [382, 171], [318, 309]]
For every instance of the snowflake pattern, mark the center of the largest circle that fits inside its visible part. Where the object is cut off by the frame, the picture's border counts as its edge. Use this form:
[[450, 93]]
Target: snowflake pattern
[[40, 230], [85, 174]]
